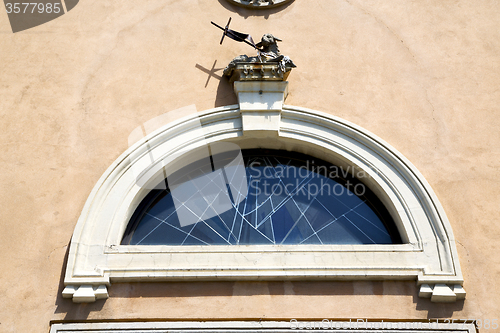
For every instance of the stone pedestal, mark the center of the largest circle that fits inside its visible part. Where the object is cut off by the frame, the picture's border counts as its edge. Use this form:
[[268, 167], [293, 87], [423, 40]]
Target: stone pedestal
[[261, 103], [261, 92], [259, 71]]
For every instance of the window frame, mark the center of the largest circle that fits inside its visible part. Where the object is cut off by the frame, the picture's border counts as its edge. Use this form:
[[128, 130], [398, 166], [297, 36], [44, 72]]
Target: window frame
[[429, 255]]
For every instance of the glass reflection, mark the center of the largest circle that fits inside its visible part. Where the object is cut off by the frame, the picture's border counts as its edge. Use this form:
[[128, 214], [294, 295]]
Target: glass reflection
[[287, 198]]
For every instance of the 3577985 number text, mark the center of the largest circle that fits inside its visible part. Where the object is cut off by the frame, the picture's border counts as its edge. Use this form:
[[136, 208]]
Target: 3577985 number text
[[33, 8]]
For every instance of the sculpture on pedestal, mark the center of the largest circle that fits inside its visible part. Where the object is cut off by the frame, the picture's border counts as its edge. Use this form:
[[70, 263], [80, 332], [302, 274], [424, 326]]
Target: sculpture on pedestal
[[268, 56]]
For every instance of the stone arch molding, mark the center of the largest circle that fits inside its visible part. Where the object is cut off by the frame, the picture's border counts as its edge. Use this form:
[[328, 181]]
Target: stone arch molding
[[428, 255]]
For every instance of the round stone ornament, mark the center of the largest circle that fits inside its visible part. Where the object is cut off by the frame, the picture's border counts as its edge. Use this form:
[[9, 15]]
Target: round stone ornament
[[259, 4]]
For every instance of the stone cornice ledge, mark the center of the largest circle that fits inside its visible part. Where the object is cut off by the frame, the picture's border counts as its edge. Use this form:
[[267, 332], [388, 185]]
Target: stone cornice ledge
[[355, 324]]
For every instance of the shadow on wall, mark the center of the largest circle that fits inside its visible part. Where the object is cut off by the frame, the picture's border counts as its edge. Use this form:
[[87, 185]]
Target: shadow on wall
[[246, 13], [437, 310], [225, 93], [72, 310]]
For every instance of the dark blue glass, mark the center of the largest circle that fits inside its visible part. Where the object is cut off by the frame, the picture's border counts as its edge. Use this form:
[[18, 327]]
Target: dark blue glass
[[290, 199]]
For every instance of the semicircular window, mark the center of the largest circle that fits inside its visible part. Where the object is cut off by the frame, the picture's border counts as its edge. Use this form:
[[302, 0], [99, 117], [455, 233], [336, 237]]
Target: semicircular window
[[260, 196]]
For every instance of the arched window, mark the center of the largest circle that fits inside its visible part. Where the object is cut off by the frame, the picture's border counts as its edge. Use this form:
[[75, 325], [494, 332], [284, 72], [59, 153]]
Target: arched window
[[109, 242], [280, 198]]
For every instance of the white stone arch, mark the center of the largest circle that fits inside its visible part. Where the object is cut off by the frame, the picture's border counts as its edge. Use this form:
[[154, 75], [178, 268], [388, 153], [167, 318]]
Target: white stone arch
[[428, 255]]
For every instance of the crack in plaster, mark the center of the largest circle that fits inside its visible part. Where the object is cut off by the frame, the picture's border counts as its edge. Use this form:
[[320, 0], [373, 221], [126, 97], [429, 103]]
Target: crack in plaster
[[385, 26], [378, 20], [85, 101], [463, 247], [105, 57], [57, 248]]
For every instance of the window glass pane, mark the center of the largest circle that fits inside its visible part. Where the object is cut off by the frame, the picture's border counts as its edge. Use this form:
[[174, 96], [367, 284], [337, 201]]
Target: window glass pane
[[290, 198]]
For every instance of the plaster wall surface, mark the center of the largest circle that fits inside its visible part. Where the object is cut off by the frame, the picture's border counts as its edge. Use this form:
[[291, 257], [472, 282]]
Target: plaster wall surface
[[422, 75]]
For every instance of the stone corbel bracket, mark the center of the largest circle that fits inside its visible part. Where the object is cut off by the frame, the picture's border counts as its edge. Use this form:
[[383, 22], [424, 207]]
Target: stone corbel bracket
[[442, 293], [85, 293], [261, 103], [261, 89]]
